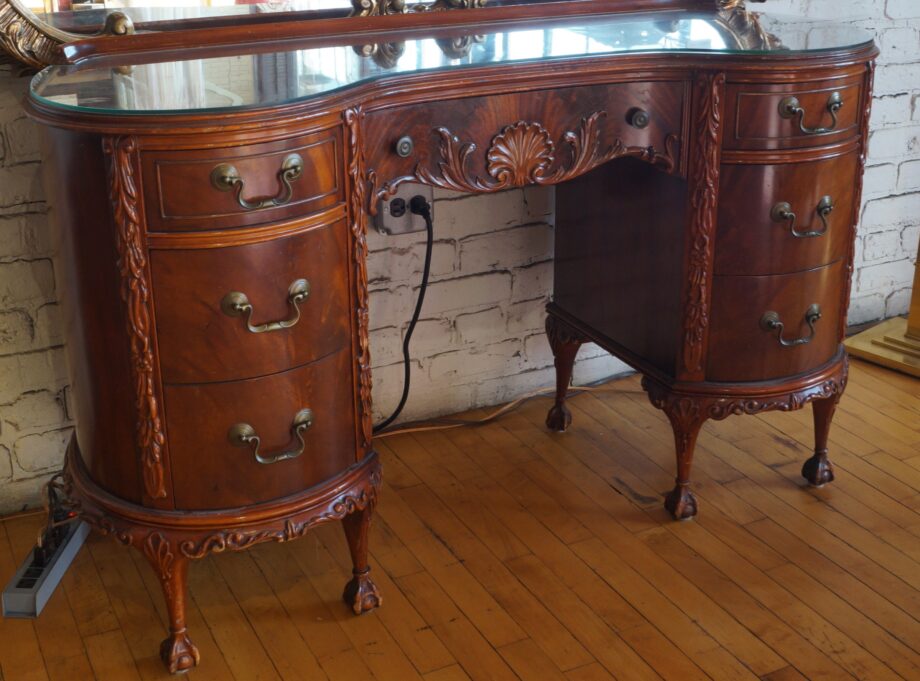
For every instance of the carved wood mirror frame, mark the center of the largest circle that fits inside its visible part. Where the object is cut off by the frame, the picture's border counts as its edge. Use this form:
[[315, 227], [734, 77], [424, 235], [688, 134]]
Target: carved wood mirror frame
[[30, 42]]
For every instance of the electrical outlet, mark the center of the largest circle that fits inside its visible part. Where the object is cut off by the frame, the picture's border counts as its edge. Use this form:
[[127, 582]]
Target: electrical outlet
[[394, 216]]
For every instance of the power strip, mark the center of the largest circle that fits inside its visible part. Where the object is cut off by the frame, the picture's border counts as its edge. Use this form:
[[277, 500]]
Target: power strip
[[37, 578]]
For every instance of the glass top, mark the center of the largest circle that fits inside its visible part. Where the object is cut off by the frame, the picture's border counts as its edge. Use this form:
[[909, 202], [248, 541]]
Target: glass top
[[267, 79]]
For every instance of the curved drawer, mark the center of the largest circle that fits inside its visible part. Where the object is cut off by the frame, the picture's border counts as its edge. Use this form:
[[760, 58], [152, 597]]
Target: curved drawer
[[199, 341], [755, 117], [181, 195], [741, 349], [519, 135], [756, 235], [209, 472]]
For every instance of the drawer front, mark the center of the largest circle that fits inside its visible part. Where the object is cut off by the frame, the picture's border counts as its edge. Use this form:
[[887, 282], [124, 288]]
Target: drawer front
[[743, 348], [203, 334], [212, 469], [787, 116], [780, 218], [525, 133], [183, 190]]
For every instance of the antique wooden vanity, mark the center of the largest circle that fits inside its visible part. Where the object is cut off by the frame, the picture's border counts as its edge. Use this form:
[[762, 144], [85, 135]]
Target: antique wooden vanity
[[708, 166]]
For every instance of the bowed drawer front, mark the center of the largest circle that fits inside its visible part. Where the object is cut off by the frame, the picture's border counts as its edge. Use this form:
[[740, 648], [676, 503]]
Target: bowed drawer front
[[779, 218], [227, 187], [213, 428], [639, 115], [783, 116], [244, 311]]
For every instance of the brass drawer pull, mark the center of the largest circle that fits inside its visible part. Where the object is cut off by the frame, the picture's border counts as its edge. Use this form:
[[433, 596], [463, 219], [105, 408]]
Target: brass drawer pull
[[790, 108], [236, 304], [244, 435], [771, 322], [225, 177], [782, 212]]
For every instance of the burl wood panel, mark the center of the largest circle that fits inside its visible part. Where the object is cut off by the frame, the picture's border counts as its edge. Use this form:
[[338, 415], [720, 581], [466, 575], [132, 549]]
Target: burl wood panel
[[211, 473], [753, 120], [180, 197], [740, 350], [199, 343], [89, 285], [480, 119], [749, 241], [619, 248]]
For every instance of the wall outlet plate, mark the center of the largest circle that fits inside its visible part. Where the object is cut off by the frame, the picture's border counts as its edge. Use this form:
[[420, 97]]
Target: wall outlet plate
[[394, 217]]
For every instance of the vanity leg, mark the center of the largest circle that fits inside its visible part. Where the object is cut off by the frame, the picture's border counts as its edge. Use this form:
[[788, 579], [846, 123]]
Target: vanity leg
[[818, 470], [564, 342], [680, 502], [360, 593], [177, 651]]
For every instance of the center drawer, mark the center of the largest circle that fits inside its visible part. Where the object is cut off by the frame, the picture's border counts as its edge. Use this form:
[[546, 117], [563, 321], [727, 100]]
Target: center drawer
[[782, 218], [296, 290], [212, 469]]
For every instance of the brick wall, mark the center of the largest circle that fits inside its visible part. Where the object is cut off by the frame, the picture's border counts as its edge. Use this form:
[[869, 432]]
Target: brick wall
[[481, 338]]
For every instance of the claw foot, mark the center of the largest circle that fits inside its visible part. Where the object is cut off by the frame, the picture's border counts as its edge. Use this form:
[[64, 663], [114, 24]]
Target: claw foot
[[680, 502], [361, 593], [559, 418], [178, 653], [818, 470]]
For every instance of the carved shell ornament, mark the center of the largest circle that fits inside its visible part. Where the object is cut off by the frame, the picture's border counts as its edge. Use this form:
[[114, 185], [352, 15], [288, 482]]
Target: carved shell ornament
[[524, 153]]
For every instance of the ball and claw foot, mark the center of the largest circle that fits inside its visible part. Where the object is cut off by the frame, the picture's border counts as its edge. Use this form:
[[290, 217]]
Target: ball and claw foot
[[178, 653], [361, 593], [559, 418], [680, 502], [818, 470]]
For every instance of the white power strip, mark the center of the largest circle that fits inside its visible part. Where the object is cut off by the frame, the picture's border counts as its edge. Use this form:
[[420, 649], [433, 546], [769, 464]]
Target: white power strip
[[32, 586]]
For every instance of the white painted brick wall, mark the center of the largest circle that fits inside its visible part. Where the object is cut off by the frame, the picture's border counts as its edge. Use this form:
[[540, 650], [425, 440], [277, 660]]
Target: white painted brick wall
[[481, 338]]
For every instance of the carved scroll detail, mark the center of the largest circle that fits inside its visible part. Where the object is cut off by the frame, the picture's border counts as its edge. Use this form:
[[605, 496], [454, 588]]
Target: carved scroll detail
[[135, 293], [705, 187], [238, 540], [369, 8], [34, 43], [358, 199], [524, 153], [685, 409]]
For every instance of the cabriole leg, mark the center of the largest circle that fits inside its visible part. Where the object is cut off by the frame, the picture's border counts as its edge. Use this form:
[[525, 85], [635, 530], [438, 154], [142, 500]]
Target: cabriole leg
[[564, 342], [818, 470], [177, 651], [680, 502], [360, 593]]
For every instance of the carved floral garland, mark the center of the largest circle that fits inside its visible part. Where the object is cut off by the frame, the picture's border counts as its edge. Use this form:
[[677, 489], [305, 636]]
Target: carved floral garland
[[705, 183], [135, 293], [359, 178]]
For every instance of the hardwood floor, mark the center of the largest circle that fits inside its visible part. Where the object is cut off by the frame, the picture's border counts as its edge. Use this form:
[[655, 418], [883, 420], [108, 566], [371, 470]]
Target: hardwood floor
[[508, 552]]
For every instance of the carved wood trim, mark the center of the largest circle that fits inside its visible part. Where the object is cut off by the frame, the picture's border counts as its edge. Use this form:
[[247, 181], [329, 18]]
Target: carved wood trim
[[524, 153], [358, 204], [685, 409], [136, 295], [704, 187]]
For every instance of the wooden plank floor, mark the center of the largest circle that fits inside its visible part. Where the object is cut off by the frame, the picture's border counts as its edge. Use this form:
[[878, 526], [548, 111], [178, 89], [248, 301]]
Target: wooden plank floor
[[507, 552]]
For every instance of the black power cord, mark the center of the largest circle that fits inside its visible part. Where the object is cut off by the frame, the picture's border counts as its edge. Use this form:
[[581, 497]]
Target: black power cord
[[419, 206]]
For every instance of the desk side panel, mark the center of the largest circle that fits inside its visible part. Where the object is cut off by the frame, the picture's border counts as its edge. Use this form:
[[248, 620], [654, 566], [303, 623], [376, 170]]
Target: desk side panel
[[93, 314], [618, 257]]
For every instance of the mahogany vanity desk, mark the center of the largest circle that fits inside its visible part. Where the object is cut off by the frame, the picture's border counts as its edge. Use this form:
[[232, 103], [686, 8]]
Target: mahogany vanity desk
[[708, 171]]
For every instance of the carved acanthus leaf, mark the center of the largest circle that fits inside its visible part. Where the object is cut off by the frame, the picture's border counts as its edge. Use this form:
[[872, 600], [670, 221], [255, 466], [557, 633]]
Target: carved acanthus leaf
[[524, 153], [135, 293], [358, 204]]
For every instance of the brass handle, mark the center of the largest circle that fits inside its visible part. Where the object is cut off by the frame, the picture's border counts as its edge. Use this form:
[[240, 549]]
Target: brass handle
[[782, 212], [790, 108], [771, 322], [236, 304], [244, 435], [225, 177]]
